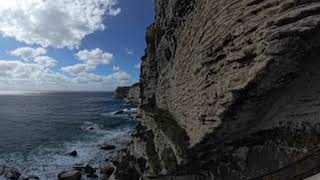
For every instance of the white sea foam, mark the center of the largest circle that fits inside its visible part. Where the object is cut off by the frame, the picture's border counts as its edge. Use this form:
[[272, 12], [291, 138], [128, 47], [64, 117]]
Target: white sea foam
[[126, 112], [90, 126], [47, 162], [109, 114], [131, 110]]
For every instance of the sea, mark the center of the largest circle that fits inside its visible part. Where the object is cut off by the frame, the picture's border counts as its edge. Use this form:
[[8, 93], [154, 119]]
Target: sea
[[39, 129]]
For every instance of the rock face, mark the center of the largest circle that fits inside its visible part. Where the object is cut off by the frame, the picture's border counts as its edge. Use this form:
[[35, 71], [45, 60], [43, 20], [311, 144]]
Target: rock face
[[121, 92], [229, 90], [132, 93]]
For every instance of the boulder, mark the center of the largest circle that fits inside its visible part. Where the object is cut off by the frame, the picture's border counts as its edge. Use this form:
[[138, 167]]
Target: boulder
[[31, 177], [89, 170], [108, 147], [10, 173], [73, 153], [119, 112], [70, 175]]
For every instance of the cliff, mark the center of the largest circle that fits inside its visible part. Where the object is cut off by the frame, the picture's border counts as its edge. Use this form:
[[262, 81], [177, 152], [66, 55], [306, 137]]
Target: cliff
[[134, 93], [229, 91], [121, 92], [131, 93]]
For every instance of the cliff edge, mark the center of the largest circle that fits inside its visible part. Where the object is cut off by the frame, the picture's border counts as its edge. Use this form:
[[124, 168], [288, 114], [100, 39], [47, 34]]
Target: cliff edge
[[121, 92], [131, 93], [230, 89]]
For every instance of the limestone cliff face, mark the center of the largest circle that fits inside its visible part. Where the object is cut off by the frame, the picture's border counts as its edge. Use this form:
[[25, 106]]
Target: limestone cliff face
[[121, 92], [229, 90], [134, 93], [131, 93]]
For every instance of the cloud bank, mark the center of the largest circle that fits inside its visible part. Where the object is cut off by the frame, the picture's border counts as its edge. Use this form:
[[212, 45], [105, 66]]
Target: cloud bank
[[55, 23], [35, 72]]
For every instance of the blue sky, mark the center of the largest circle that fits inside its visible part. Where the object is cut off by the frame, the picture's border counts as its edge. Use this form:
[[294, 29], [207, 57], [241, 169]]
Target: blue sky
[[72, 44]]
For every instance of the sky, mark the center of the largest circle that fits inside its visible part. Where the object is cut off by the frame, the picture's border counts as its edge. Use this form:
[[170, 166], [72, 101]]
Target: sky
[[77, 45]]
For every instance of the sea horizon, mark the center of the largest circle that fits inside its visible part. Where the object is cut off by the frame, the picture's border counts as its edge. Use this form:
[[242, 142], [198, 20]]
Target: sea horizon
[[22, 92]]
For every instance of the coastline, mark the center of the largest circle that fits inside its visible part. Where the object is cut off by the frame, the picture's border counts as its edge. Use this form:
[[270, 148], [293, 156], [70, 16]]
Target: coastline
[[96, 150], [228, 90]]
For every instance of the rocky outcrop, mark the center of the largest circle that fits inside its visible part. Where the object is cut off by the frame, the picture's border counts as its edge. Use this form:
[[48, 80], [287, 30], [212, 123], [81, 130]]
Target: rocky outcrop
[[9, 173], [121, 92], [229, 90], [134, 93], [131, 93]]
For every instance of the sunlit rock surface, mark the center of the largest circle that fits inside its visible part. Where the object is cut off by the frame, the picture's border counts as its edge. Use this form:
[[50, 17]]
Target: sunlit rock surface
[[230, 89]]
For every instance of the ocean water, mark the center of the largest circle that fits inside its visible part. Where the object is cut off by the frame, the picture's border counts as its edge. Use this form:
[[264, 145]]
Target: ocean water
[[38, 129]]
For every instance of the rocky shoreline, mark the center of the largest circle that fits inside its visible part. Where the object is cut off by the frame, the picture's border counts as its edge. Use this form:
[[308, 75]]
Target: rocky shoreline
[[106, 170], [77, 172], [103, 171]]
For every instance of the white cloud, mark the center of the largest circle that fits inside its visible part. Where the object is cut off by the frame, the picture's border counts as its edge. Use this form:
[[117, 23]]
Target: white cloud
[[45, 61], [21, 75], [95, 57], [129, 51], [36, 55], [138, 66], [18, 70], [78, 69], [87, 77], [91, 59], [115, 68], [56, 23], [27, 53], [38, 74], [121, 77]]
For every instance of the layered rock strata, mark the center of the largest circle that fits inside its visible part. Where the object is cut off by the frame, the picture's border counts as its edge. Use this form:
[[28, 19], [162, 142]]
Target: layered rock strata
[[229, 90]]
